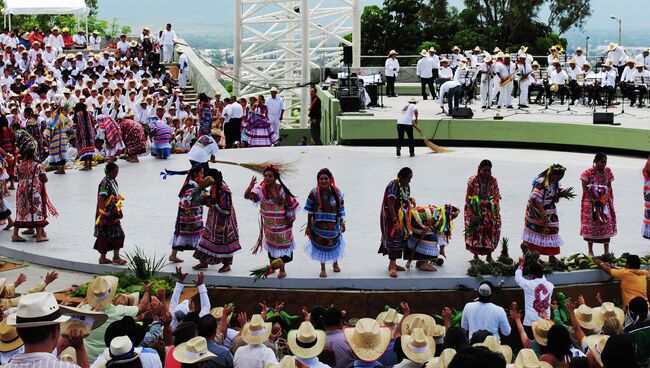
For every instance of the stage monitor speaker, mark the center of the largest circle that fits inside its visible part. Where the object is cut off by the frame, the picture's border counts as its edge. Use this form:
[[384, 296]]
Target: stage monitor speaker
[[350, 103], [347, 55], [603, 118], [372, 90], [462, 113]]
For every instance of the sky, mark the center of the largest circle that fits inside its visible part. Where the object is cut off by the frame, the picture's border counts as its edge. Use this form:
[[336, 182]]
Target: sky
[[216, 16]]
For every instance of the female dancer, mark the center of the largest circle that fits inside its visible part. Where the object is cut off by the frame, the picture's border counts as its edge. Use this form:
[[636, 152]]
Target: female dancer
[[206, 115], [189, 220], [108, 226], [597, 215], [7, 143], [259, 132], [110, 132], [57, 136], [482, 212], [646, 197], [134, 139], [397, 201], [428, 230], [85, 135], [220, 239], [5, 211], [542, 225], [32, 202], [277, 213], [325, 222]]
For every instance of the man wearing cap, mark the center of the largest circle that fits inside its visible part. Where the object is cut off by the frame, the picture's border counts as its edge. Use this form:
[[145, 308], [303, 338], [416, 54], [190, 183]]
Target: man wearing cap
[[95, 41], [275, 106], [37, 321], [183, 67], [391, 70], [167, 41], [482, 314], [405, 123], [80, 41], [424, 70]]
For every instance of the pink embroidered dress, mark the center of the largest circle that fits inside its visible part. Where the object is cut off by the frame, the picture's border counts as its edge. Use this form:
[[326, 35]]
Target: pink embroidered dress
[[597, 214]]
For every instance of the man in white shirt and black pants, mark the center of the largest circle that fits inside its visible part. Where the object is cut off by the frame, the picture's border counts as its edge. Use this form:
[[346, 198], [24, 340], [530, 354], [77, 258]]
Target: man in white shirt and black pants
[[424, 70], [391, 71], [233, 126], [405, 123], [453, 90]]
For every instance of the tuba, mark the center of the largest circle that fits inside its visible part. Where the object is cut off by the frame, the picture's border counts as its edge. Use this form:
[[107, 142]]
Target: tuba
[[559, 48]]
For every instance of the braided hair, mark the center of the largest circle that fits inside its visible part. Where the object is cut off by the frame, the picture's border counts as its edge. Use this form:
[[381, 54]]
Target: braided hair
[[276, 174], [218, 182], [335, 192]]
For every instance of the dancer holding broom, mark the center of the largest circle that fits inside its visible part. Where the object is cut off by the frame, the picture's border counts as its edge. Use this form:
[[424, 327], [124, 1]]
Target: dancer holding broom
[[277, 214], [405, 123]]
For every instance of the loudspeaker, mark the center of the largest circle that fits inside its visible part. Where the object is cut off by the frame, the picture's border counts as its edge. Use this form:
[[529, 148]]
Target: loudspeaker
[[462, 113], [347, 55], [350, 103], [373, 93], [603, 118]]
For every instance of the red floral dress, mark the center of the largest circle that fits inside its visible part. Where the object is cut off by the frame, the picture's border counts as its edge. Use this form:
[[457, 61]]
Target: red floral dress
[[597, 217], [482, 215], [32, 204]]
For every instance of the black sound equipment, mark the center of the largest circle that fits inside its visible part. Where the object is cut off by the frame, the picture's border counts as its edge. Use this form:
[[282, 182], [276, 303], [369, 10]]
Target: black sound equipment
[[347, 55], [350, 103], [462, 113], [372, 90], [603, 118]]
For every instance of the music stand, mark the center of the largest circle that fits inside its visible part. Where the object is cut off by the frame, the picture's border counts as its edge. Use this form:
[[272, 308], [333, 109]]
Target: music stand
[[468, 76], [622, 105], [545, 77], [380, 88]]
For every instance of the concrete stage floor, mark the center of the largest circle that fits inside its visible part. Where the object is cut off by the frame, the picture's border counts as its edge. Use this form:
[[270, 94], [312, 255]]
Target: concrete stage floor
[[362, 173], [634, 117]]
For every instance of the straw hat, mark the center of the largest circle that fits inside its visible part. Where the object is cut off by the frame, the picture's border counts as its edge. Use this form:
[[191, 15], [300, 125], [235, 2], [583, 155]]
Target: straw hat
[[646, 50], [477, 49], [579, 49], [418, 347], [288, 361], [487, 59], [68, 355], [608, 63], [444, 60], [65, 29], [418, 320], [274, 89], [639, 65], [101, 290], [178, 49], [3, 283], [443, 360], [611, 46], [528, 359], [193, 351], [392, 52], [367, 339], [121, 350], [410, 100], [573, 61], [432, 49], [596, 344], [587, 64], [81, 319], [35, 310], [438, 331], [95, 32], [455, 48], [256, 331], [306, 342], [585, 317], [133, 43], [391, 317], [424, 52], [492, 344], [629, 61], [608, 309], [9, 339], [217, 312], [540, 330], [500, 55], [496, 50]]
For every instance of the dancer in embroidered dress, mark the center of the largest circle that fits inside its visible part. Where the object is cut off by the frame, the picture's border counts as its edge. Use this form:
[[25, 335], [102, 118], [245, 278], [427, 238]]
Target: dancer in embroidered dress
[[57, 136], [325, 222], [189, 220], [110, 132], [597, 215], [482, 212], [277, 213], [220, 238], [542, 225], [258, 131], [396, 203], [85, 135], [646, 197], [5, 210], [108, 217], [428, 230], [134, 139]]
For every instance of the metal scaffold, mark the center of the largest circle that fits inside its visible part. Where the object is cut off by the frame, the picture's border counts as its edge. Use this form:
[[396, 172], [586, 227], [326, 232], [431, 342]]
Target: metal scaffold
[[278, 42]]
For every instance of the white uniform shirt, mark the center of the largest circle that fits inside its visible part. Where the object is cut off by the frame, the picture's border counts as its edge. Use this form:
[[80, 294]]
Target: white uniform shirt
[[201, 153], [608, 78], [236, 111], [485, 316], [184, 63], [645, 60], [573, 72], [436, 61], [558, 77], [407, 116], [617, 56], [254, 356], [424, 68], [79, 40], [445, 72], [486, 69], [628, 74], [644, 76], [454, 59], [275, 106], [392, 67], [95, 42], [168, 37], [123, 46], [55, 41], [580, 60]]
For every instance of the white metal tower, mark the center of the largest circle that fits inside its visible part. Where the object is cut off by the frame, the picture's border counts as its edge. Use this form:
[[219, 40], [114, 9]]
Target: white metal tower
[[277, 42]]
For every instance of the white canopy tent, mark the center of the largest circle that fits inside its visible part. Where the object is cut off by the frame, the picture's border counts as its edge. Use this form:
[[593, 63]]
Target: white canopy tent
[[34, 7]]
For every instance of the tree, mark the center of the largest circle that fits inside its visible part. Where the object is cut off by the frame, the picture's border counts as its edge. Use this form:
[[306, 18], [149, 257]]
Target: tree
[[567, 14]]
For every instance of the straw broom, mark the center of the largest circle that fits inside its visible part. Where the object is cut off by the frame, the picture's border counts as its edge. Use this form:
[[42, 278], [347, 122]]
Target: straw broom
[[432, 146], [259, 167]]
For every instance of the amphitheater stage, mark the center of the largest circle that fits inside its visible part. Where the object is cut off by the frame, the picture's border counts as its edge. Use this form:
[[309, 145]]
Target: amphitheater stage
[[362, 173]]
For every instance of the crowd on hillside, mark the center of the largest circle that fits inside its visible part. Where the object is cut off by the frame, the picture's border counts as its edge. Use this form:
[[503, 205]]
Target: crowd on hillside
[[149, 331]]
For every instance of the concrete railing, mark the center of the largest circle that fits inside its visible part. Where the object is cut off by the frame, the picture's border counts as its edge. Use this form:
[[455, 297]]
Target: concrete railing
[[202, 75]]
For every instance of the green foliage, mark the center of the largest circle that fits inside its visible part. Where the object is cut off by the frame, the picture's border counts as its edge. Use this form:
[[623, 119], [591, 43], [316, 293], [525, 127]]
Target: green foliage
[[143, 266], [128, 283], [227, 85]]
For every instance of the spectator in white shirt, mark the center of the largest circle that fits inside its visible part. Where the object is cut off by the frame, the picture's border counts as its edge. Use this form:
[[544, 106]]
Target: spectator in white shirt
[[484, 315], [424, 70], [49, 55], [537, 294], [167, 40], [180, 309], [391, 70], [56, 40], [255, 354], [80, 41], [95, 41], [275, 106], [123, 44]]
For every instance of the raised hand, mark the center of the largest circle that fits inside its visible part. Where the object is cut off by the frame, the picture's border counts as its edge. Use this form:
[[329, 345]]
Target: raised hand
[[180, 276], [200, 279], [50, 276], [21, 278]]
